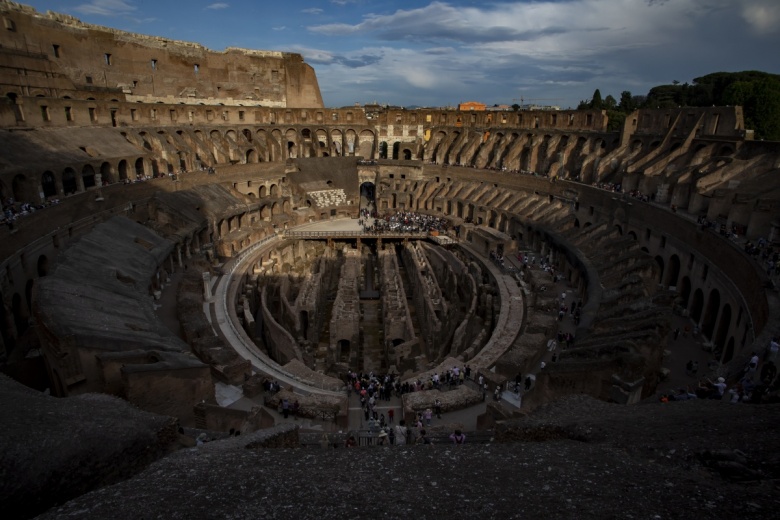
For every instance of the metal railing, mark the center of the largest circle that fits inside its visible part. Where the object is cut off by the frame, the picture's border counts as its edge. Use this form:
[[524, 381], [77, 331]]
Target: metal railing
[[355, 234]]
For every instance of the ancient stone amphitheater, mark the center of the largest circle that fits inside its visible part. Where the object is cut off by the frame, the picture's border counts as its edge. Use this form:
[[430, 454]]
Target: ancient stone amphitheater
[[179, 220]]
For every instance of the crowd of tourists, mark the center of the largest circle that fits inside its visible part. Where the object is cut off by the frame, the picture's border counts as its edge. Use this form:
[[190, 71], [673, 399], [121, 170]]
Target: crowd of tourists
[[372, 389], [13, 210], [757, 382], [403, 222]]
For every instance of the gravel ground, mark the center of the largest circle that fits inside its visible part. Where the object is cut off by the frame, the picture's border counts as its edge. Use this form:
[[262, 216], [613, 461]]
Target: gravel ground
[[578, 458]]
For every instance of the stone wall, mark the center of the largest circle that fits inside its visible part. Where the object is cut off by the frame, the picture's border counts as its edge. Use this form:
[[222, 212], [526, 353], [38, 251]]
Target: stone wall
[[68, 55], [345, 316]]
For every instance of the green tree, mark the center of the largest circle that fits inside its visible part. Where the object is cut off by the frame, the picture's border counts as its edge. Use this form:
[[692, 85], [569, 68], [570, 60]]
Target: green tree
[[609, 102], [596, 102], [762, 111], [626, 102]]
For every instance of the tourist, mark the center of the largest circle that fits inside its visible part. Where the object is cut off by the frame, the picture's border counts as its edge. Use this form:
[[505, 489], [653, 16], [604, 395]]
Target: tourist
[[423, 438], [457, 437], [382, 439], [285, 408], [401, 433], [350, 442]]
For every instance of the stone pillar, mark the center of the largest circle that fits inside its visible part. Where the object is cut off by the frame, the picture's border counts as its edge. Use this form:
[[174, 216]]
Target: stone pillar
[[98, 187], [178, 255], [207, 286], [662, 193]]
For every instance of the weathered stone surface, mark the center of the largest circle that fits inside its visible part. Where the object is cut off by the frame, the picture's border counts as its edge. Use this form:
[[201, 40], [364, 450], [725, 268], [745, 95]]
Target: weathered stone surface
[[462, 396], [52, 450], [595, 461]]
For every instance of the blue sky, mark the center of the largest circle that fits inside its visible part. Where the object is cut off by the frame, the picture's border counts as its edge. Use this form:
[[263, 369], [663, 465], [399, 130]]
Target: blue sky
[[439, 53]]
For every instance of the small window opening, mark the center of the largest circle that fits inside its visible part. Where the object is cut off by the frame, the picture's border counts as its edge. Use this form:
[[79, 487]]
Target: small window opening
[[107, 57]]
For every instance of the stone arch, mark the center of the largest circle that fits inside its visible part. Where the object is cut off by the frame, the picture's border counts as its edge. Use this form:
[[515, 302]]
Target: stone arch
[[685, 292], [139, 167], [122, 169], [106, 173], [343, 350], [48, 184], [275, 209], [672, 272], [659, 262], [711, 313], [336, 143], [696, 305], [366, 144], [20, 188], [251, 156], [88, 176], [42, 266], [291, 144], [262, 191], [69, 182], [273, 191], [632, 234], [351, 142], [724, 325], [19, 313]]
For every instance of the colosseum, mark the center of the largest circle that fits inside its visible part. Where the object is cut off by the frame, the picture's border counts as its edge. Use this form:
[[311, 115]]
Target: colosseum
[[192, 242]]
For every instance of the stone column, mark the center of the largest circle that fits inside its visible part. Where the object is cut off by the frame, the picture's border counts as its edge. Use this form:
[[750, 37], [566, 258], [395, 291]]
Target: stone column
[[98, 187], [207, 286]]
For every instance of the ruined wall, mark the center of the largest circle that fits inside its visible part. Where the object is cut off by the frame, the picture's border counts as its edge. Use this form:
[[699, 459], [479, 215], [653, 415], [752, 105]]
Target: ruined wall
[[395, 312], [428, 302], [65, 55], [281, 345], [345, 316], [172, 392]]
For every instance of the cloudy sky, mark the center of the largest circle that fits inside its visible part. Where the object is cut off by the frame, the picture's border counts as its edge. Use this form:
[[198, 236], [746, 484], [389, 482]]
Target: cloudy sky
[[438, 53]]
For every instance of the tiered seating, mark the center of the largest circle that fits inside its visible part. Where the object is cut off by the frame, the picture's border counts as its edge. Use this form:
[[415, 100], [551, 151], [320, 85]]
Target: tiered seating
[[327, 198]]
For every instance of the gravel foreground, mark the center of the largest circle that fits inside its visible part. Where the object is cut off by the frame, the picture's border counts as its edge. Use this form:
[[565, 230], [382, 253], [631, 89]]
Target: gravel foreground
[[578, 458]]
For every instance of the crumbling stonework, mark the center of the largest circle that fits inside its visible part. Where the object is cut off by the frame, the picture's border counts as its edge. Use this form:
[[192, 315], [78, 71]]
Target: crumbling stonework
[[345, 320]]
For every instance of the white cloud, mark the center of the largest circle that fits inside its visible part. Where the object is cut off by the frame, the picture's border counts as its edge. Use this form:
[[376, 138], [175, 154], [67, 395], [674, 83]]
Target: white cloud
[[542, 48], [279, 28], [218, 5], [763, 17], [312, 10], [106, 8]]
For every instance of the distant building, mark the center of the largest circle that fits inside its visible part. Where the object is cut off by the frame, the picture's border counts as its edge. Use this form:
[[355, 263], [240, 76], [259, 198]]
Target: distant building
[[471, 106]]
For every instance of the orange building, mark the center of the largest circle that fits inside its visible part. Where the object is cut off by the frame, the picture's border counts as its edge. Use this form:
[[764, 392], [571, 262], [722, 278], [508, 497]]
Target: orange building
[[471, 105]]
